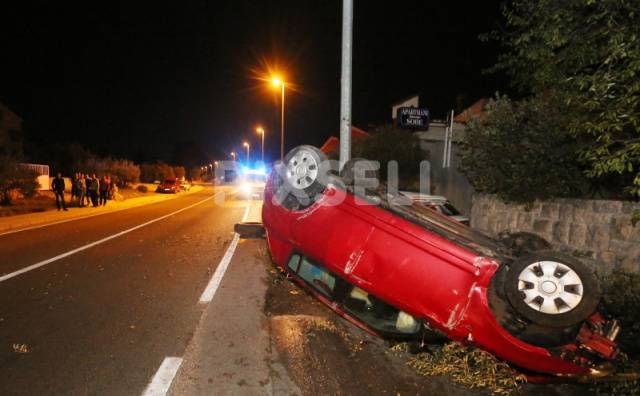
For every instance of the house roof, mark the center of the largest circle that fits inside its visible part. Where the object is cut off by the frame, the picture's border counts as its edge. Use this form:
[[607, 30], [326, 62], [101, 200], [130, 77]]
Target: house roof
[[473, 111], [333, 142]]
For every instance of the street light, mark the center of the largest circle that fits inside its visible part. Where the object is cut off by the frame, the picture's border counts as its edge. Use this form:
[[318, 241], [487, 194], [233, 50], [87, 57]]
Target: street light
[[246, 144], [233, 155], [277, 82], [260, 130]]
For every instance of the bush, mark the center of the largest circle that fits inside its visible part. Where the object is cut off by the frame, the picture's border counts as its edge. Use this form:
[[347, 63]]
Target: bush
[[143, 189], [12, 177], [386, 144], [521, 151], [150, 172], [621, 299]]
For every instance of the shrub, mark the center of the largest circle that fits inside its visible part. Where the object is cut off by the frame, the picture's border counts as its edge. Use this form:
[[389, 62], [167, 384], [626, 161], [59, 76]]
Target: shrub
[[621, 299], [386, 144], [143, 188], [150, 172], [521, 151], [12, 178]]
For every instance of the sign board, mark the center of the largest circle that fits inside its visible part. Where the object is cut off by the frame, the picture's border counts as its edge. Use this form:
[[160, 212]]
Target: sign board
[[413, 117], [409, 102]]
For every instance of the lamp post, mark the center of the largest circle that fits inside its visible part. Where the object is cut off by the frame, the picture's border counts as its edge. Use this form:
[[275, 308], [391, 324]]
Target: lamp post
[[248, 147], [233, 155], [260, 130], [277, 82]]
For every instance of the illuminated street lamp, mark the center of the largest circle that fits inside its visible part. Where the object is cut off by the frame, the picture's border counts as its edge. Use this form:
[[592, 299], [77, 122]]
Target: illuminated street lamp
[[278, 82], [248, 147], [260, 130], [233, 155]]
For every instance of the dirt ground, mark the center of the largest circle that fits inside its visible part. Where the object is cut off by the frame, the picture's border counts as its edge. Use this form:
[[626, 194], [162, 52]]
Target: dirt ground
[[42, 201], [326, 355]]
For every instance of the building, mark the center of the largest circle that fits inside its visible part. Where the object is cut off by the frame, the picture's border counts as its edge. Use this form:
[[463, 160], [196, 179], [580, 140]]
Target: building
[[10, 132], [442, 140]]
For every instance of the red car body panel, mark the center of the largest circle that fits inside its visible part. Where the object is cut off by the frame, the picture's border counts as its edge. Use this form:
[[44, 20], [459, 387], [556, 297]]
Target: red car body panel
[[413, 269]]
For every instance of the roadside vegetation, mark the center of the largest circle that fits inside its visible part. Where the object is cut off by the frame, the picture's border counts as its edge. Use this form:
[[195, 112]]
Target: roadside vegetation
[[575, 66]]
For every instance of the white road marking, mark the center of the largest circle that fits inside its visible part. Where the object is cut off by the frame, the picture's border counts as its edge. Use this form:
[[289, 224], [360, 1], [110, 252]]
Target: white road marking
[[98, 242], [214, 283], [161, 381]]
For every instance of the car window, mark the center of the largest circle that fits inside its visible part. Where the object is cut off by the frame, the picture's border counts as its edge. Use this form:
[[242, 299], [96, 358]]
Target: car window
[[378, 314], [365, 307], [450, 210], [316, 276], [294, 262]]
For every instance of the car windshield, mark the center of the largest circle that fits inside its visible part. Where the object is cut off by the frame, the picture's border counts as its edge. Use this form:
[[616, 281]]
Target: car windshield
[[369, 309], [429, 219], [169, 181]]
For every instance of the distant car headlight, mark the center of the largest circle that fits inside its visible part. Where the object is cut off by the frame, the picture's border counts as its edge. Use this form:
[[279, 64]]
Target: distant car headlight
[[245, 188]]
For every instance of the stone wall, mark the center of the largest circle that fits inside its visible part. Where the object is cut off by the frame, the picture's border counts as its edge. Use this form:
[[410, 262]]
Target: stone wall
[[600, 231]]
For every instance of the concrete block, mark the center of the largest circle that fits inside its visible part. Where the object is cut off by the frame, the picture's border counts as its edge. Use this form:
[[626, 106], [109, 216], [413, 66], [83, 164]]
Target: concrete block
[[578, 235], [565, 213], [599, 236], [561, 232], [550, 211], [602, 206], [543, 226]]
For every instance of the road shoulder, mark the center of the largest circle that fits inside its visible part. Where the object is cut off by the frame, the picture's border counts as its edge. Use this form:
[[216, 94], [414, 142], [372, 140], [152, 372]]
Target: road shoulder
[[230, 352]]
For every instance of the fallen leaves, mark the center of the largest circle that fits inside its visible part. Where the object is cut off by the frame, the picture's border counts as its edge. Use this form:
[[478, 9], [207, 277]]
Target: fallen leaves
[[468, 366], [20, 348]]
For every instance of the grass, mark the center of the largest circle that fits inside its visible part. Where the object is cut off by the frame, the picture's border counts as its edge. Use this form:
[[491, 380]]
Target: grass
[[41, 202]]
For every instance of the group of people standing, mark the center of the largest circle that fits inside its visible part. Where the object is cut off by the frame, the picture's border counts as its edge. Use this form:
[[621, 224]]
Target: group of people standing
[[85, 190], [91, 189]]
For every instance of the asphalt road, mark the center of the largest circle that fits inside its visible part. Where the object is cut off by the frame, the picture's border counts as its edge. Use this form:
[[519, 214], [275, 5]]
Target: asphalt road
[[101, 320]]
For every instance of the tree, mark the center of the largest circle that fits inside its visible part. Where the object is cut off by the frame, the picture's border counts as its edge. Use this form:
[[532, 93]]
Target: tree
[[13, 177], [586, 53], [521, 151], [387, 143]]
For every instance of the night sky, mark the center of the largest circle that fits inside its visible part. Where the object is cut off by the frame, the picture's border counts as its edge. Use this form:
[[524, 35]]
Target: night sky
[[146, 80]]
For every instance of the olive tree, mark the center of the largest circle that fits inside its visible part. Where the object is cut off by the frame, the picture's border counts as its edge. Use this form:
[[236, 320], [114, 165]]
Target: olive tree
[[585, 53]]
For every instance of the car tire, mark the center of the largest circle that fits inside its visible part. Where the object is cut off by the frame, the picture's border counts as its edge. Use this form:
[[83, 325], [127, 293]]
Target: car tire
[[522, 243], [552, 289], [249, 229], [351, 168], [299, 182]]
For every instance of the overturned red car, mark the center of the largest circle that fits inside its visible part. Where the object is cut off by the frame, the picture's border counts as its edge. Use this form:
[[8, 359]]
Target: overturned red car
[[401, 271]]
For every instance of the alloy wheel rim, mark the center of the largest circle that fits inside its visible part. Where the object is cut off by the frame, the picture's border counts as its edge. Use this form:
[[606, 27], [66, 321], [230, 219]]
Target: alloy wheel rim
[[550, 287], [302, 170]]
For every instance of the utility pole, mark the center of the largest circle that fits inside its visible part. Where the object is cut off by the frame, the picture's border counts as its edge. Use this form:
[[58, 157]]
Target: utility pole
[[345, 85]]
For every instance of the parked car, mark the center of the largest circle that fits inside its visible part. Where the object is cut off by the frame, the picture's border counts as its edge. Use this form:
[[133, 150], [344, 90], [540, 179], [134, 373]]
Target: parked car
[[403, 271], [169, 185], [437, 203]]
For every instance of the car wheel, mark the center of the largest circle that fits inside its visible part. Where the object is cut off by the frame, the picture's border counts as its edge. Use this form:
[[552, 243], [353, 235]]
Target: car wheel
[[249, 229], [552, 289], [522, 243], [358, 167], [299, 181]]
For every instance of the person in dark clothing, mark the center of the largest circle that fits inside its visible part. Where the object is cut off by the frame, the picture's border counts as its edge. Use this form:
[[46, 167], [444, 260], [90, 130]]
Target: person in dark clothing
[[74, 189], [87, 182], [105, 183], [93, 191], [57, 185], [81, 189]]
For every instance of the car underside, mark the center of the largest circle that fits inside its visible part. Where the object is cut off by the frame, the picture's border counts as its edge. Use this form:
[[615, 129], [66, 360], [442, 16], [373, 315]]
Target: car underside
[[401, 271]]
